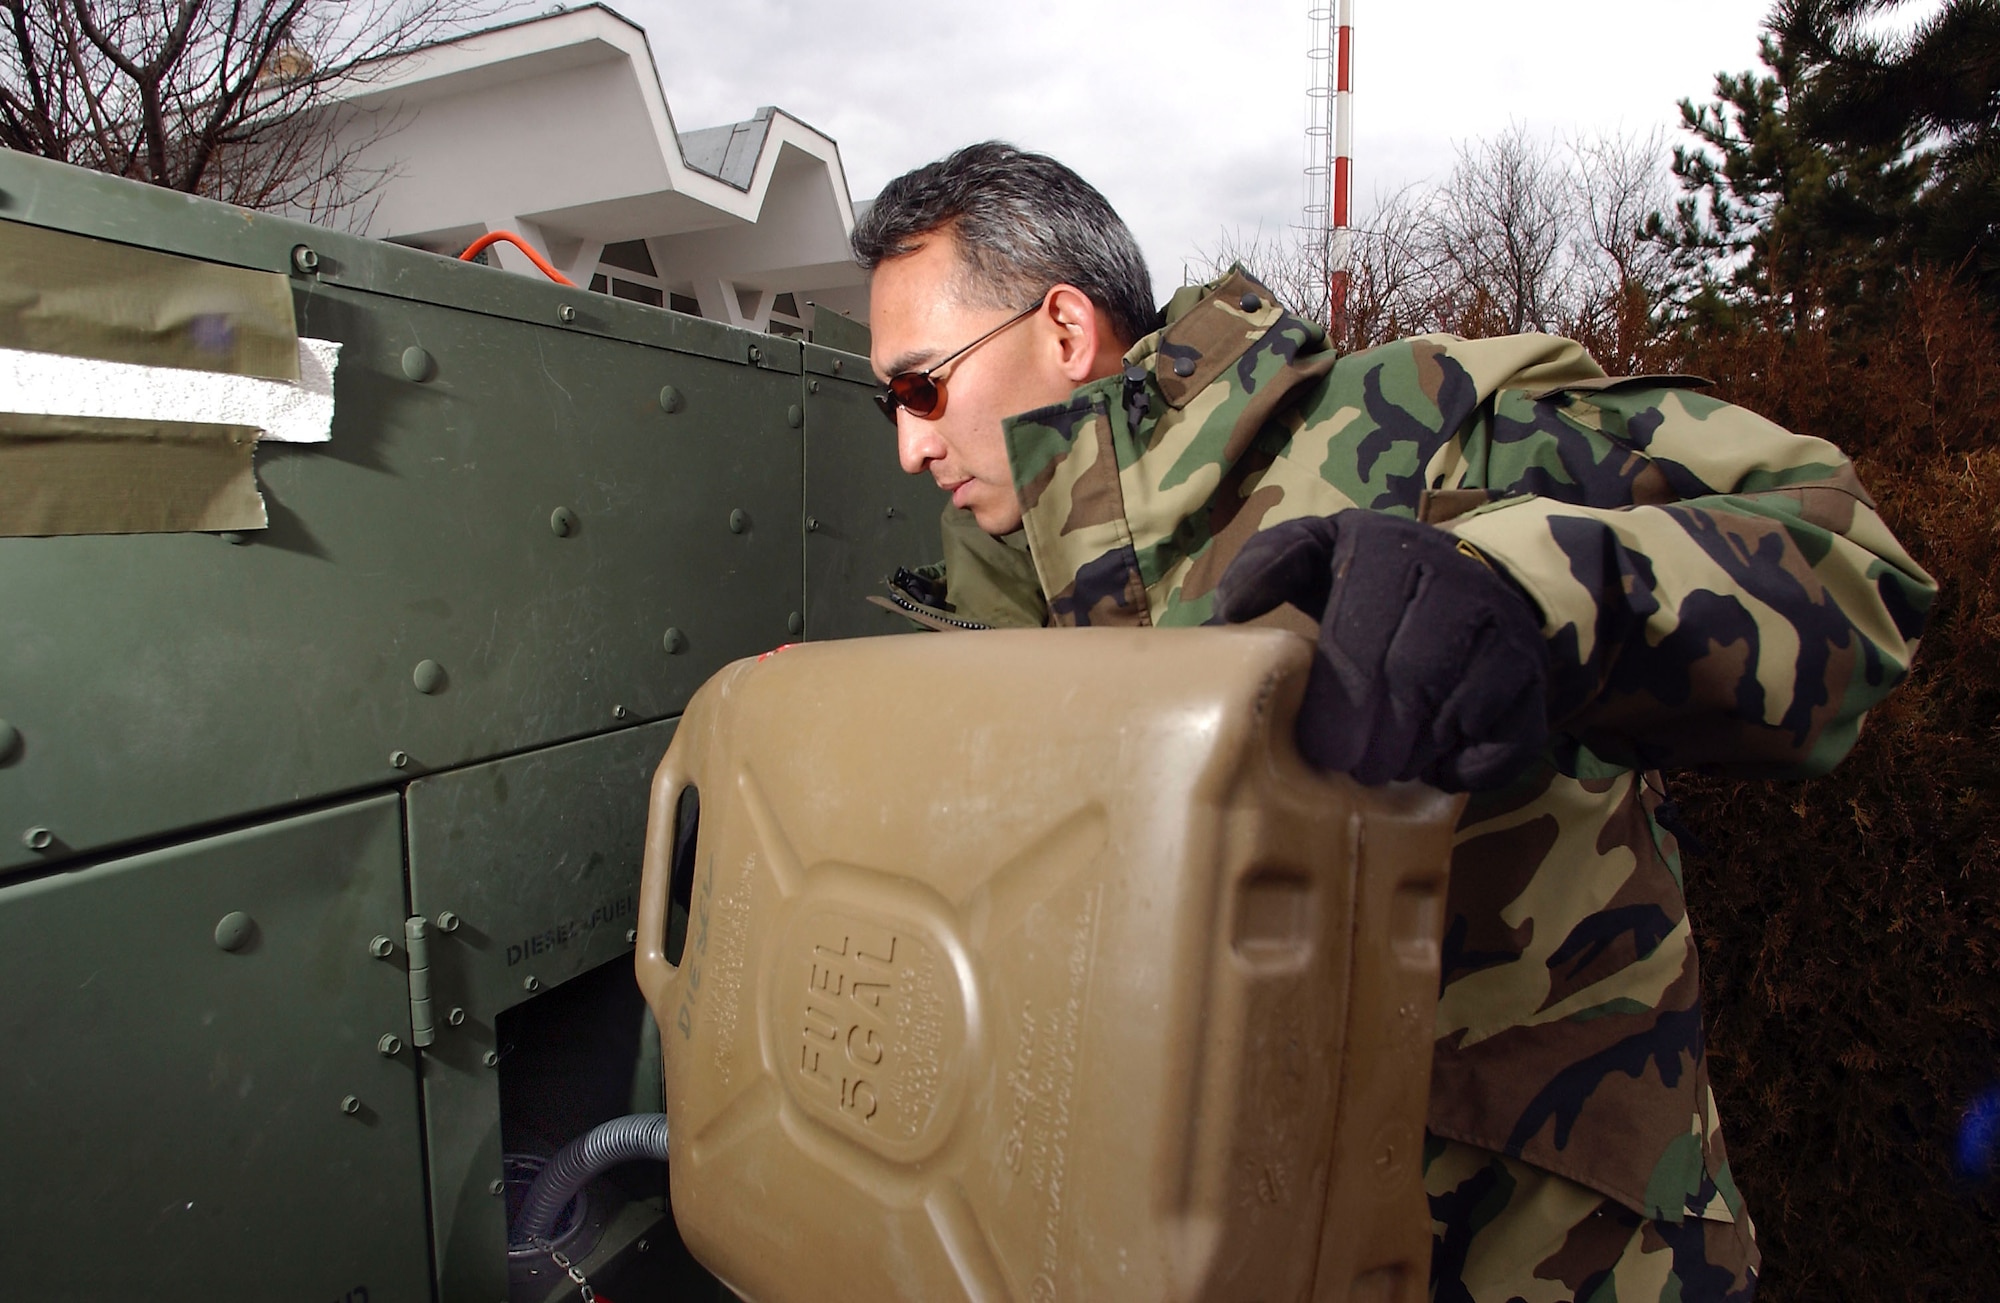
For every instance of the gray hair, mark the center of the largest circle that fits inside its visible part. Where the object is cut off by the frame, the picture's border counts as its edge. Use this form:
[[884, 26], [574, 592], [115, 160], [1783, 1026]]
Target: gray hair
[[1024, 223]]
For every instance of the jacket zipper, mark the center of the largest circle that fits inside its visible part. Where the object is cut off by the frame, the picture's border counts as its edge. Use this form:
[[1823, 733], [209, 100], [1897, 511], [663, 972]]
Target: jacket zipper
[[896, 596]]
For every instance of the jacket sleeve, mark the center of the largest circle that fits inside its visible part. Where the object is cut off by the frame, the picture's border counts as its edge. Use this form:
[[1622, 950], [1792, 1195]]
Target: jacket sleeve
[[1716, 591]]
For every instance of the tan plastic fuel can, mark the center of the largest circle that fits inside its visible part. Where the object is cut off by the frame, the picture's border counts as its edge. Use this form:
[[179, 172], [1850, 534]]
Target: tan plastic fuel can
[[1036, 965]]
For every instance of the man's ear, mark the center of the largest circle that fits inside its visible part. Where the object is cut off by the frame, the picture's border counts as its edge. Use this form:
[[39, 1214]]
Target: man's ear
[[1084, 346]]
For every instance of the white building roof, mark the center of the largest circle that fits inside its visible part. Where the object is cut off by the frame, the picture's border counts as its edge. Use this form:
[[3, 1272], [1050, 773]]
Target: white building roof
[[556, 128]]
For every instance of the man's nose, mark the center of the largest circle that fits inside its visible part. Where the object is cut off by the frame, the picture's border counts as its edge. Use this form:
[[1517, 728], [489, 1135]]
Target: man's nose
[[917, 442]]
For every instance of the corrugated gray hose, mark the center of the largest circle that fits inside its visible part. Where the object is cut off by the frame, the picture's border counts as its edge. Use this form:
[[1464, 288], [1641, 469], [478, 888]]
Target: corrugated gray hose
[[621, 1140]]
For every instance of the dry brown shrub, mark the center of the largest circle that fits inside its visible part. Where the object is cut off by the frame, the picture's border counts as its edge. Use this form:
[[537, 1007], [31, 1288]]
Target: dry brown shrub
[[1850, 925]]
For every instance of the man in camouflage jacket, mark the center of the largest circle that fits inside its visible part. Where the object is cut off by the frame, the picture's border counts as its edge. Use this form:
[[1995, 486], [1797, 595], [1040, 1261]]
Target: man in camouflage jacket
[[1712, 591]]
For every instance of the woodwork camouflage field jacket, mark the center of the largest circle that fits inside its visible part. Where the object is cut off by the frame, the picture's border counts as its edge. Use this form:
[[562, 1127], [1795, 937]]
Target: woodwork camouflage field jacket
[[1715, 591]]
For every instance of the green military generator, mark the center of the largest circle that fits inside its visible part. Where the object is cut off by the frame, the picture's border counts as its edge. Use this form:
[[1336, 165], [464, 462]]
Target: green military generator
[[323, 761]]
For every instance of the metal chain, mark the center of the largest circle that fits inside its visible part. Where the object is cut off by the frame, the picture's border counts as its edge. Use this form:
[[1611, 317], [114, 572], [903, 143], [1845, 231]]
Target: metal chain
[[575, 1273]]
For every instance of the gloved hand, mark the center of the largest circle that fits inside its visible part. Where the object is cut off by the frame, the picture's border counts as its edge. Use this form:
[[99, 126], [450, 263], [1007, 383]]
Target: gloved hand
[[1431, 664]]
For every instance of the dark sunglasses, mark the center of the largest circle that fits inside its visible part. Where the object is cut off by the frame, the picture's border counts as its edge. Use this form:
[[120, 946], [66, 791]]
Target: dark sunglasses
[[919, 391]]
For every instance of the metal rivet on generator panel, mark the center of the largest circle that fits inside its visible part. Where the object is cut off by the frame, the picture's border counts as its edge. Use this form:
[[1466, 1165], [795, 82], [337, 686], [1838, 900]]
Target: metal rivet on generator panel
[[448, 921], [812, 386], [381, 947], [350, 1105], [1183, 367], [38, 839], [531, 983], [456, 1017], [756, 354], [812, 524], [674, 642], [889, 514], [416, 364], [795, 623], [794, 417], [428, 676], [619, 712], [738, 522], [390, 1045], [670, 399], [565, 314], [631, 936], [10, 741], [233, 932], [304, 261], [562, 522], [491, 1058], [496, 1187], [399, 759], [1250, 303]]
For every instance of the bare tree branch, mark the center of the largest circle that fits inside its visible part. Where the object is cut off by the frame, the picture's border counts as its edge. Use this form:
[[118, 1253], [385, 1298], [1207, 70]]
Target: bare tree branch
[[30, 121], [234, 99], [1522, 234]]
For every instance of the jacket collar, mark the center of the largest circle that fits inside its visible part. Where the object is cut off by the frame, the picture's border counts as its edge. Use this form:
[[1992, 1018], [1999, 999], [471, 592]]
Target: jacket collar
[[1192, 399]]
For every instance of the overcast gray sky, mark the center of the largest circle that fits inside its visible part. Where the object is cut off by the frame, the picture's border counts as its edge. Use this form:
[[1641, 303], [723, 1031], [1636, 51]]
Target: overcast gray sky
[[1189, 116]]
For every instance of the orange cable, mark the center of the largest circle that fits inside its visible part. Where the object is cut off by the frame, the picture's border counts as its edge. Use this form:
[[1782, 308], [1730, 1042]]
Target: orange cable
[[478, 246]]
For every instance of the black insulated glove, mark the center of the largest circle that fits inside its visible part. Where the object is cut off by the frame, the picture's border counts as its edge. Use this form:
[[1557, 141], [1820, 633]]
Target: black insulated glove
[[1431, 665]]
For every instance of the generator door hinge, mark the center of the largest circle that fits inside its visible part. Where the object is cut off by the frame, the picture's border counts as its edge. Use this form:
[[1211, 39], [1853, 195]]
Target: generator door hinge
[[416, 940]]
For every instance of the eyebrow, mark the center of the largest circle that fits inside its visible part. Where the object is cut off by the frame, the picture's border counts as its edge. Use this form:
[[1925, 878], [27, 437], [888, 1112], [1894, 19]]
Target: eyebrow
[[910, 361]]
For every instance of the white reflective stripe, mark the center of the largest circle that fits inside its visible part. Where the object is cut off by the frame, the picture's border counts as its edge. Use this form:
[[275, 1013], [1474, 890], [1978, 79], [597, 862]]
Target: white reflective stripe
[[50, 384]]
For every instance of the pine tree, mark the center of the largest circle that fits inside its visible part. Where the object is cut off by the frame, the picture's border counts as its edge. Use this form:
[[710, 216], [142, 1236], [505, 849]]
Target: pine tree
[[1773, 217], [1815, 185], [1937, 87]]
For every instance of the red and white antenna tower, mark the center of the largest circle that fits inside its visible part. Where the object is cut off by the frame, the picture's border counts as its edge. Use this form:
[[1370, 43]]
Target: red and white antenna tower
[[1329, 158]]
